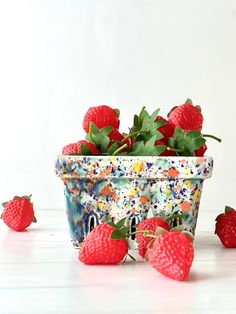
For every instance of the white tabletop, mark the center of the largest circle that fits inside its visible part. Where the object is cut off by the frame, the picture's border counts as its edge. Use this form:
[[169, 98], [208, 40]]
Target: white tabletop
[[40, 273]]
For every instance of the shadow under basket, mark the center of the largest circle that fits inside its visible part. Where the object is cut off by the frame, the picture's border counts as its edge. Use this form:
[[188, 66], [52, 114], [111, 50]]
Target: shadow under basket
[[99, 188]]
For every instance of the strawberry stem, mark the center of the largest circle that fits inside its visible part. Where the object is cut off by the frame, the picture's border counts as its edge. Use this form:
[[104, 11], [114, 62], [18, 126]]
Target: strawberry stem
[[132, 134], [213, 137], [146, 233], [175, 149], [119, 149], [91, 133]]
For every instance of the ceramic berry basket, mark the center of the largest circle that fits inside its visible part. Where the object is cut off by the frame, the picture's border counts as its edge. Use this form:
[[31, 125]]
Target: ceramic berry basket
[[97, 187]]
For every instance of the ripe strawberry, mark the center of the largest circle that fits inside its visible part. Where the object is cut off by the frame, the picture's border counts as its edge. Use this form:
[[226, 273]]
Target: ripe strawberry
[[100, 248], [148, 224], [171, 254], [226, 227], [75, 148], [18, 213], [166, 130], [201, 151], [101, 116], [186, 116]]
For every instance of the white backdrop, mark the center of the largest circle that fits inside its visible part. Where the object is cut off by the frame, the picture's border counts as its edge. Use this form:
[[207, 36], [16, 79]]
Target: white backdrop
[[59, 57]]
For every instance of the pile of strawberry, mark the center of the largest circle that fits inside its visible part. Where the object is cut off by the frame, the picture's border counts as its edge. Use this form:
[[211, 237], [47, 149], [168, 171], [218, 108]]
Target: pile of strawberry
[[150, 135], [170, 252]]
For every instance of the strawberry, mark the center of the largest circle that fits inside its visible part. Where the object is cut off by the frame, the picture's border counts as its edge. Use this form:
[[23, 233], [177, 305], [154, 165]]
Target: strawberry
[[100, 248], [101, 116], [149, 224], [186, 116], [77, 148], [171, 253], [18, 213], [201, 151], [225, 227], [166, 130]]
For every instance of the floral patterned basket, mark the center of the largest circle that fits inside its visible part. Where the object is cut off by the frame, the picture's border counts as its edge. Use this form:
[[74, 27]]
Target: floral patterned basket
[[98, 187]]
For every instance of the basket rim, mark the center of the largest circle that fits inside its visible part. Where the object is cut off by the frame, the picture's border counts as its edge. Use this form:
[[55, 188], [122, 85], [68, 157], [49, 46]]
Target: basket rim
[[147, 167]]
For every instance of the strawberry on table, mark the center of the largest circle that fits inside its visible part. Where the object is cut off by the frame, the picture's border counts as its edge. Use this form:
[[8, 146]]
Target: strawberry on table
[[80, 148], [101, 116], [18, 213], [171, 254], [100, 248], [225, 227]]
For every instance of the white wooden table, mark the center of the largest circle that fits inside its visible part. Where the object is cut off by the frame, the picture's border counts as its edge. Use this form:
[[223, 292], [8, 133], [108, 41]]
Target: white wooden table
[[40, 273]]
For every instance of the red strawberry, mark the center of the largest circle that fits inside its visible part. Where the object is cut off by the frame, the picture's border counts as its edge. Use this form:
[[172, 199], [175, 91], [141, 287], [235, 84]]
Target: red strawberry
[[101, 116], [186, 116], [75, 148], [100, 248], [201, 151], [148, 224], [166, 151], [171, 254], [226, 227], [115, 135], [18, 213], [166, 130]]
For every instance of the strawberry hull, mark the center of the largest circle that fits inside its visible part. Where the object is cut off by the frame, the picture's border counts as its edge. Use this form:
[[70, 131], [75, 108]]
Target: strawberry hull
[[99, 187]]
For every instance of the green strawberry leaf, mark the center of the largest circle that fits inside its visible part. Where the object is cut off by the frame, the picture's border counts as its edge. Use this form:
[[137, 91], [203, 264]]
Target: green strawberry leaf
[[99, 137], [120, 223], [84, 150], [229, 209], [112, 149], [124, 230], [116, 235], [193, 134], [149, 125], [136, 121], [185, 144], [111, 223], [198, 142], [188, 101], [147, 149]]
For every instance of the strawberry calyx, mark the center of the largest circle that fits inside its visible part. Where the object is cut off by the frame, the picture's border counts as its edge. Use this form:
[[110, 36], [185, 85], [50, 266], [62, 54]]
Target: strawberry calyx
[[99, 136], [189, 101], [117, 112], [27, 197], [185, 143], [228, 210], [122, 232]]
